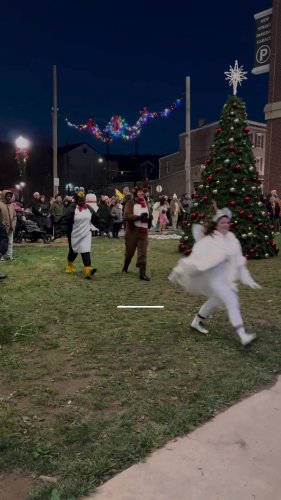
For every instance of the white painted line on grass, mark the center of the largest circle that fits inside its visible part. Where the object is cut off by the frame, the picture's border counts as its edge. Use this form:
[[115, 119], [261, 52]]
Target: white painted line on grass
[[140, 307]]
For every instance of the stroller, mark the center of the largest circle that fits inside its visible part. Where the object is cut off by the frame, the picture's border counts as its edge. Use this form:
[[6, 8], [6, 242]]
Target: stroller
[[28, 230]]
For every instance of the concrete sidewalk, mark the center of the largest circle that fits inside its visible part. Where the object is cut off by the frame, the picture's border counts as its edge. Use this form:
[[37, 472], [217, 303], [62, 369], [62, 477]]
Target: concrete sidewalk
[[236, 456]]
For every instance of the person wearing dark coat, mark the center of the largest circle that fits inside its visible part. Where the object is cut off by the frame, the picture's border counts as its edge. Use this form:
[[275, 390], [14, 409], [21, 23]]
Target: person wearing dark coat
[[3, 245], [104, 215]]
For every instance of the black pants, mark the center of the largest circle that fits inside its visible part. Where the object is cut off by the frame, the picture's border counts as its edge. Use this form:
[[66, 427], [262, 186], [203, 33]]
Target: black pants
[[86, 257], [116, 228]]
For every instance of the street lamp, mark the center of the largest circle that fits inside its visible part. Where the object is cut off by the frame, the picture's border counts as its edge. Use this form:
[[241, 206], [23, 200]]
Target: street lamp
[[22, 146], [100, 160]]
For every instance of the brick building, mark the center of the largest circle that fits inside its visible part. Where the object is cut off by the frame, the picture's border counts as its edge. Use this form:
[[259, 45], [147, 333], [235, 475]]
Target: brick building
[[273, 108], [172, 167]]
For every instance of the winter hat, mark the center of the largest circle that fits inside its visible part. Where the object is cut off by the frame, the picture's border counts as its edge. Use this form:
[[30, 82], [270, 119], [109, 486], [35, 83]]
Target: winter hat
[[175, 196], [224, 212]]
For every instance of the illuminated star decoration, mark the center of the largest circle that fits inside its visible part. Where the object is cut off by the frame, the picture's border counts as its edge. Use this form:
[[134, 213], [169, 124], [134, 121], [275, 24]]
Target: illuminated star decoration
[[119, 128], [235, 75]]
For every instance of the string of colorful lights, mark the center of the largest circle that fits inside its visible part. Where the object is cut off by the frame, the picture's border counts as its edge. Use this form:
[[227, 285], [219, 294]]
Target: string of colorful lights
[[118, 127]]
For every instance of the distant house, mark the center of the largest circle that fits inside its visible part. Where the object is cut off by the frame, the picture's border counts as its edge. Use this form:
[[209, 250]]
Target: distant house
[[133, 169], [81, 165]]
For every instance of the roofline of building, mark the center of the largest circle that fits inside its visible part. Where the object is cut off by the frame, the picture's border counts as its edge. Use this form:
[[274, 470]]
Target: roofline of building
[[171, 154], [250, 122]]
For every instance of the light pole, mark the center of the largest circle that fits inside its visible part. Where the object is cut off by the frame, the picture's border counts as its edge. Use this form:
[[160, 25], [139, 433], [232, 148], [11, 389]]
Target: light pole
[[22, 145]]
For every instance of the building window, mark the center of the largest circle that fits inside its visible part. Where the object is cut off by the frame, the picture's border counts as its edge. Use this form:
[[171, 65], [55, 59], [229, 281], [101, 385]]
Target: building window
[[259, 140], [168, 166], [259, 164], [251, 138]]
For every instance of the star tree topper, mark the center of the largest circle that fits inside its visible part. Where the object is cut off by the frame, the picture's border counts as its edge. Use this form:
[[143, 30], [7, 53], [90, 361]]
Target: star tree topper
[[235, 75]]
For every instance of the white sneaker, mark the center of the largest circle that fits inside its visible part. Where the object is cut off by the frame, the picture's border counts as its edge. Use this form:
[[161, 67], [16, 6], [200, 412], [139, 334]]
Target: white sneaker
[[246, 338], [197, 324]]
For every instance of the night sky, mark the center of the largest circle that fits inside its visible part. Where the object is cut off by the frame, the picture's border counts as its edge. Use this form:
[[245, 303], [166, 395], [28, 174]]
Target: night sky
[[117, 57]]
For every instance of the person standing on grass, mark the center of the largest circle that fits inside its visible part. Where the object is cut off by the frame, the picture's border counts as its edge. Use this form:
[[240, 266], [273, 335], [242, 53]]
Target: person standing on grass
[[3, 245], [78, 221], [213, 268], [8, 218], [137, 217], [56, 210], [117, 217], [175, 210]]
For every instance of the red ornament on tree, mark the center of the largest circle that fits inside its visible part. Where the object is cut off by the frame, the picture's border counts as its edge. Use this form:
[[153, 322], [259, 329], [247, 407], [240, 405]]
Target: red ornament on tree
[[187, 251], [218, 170], [193, 215], [246, 130], [205, 198], [246, 199], [231, 147], [250, 217], [237, 168], [241, 213], [232, 203], [245, 179], [218, 131], [209, 161], [210, 178], [202, 216]]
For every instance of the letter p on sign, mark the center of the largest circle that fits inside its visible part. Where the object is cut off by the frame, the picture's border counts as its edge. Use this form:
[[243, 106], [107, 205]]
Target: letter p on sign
[[263, 54]]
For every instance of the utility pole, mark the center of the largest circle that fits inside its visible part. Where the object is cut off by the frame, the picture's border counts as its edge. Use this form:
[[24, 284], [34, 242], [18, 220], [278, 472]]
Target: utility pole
[[187, 138], [55, 133], [107, 168]]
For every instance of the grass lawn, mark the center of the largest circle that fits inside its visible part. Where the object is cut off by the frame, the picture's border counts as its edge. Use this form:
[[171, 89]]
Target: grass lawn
[[87, 389]]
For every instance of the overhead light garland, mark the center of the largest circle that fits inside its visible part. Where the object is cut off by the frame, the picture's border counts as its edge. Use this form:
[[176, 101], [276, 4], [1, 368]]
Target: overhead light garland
[[118, 127]]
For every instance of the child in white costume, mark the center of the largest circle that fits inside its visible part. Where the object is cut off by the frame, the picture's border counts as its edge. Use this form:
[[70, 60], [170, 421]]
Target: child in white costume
[[213, 268]]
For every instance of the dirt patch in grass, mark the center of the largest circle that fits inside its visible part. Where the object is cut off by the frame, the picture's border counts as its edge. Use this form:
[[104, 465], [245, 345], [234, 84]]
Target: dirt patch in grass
[[15, 486], [72, 385], [5, 388]]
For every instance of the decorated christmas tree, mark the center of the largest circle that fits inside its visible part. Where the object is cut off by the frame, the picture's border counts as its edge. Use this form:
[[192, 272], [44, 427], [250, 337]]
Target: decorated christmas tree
[[230, 179]]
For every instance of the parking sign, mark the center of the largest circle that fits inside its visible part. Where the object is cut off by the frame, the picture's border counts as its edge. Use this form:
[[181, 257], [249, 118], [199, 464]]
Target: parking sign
[[263, 42]]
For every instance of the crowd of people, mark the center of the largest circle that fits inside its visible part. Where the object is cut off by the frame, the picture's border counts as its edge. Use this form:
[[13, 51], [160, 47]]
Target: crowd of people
[[46, 220]]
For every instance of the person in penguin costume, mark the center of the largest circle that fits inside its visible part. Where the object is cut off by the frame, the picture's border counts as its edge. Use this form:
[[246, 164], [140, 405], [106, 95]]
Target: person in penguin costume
[[78, 222]]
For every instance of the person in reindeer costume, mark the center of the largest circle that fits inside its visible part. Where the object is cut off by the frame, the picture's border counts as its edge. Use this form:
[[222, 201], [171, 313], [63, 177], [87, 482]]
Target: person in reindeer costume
[[78, 222], [137, 217], [213, 268]]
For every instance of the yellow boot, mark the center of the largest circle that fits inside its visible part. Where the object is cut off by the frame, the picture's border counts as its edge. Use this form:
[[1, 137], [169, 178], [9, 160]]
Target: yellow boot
[[70, 268], [89, 271]]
